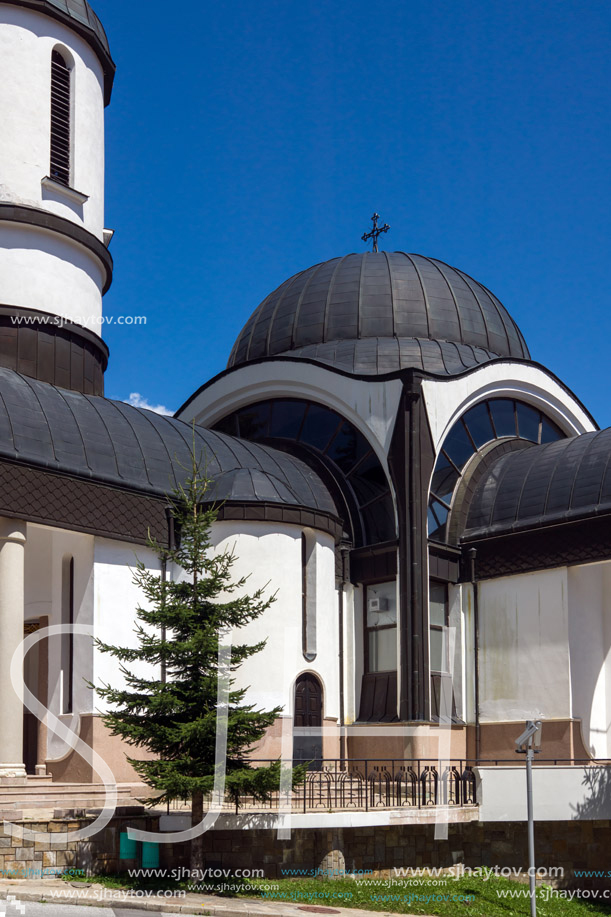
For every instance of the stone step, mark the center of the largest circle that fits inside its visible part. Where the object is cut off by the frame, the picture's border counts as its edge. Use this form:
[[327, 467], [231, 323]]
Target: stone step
[[67, 797]]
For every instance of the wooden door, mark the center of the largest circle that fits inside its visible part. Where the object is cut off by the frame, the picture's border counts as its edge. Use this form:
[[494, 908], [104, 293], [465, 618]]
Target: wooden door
[[308, 716]]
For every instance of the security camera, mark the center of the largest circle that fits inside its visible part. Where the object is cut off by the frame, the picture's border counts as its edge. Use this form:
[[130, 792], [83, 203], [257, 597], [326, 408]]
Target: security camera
[[533, 729]]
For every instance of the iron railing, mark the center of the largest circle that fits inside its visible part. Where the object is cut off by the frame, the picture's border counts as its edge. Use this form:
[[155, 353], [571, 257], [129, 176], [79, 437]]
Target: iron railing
[[369, 785]]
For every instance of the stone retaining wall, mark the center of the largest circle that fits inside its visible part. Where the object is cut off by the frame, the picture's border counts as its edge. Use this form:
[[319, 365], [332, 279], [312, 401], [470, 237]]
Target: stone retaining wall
[[570, 845]]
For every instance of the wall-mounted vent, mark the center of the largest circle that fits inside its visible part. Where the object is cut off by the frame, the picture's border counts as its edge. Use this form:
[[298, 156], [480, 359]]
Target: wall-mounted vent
[[60, 120]]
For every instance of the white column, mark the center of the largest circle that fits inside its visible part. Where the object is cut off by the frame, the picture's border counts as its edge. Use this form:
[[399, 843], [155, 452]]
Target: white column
[[12, 577]]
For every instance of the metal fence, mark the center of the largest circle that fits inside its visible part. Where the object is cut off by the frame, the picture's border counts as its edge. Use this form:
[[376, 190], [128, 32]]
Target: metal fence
[[370, 785]]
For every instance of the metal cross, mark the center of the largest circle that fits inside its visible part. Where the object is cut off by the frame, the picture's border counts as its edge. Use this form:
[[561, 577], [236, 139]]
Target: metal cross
[[375, 232]]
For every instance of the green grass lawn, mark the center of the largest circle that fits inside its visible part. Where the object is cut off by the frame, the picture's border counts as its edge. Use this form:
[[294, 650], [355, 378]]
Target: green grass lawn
[[445, 897], [473, 897]]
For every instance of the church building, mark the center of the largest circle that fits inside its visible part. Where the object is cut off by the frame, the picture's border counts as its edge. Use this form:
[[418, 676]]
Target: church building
[[431, 505]]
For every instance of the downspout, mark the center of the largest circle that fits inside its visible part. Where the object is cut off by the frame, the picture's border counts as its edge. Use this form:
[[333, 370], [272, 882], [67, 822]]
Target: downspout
[[164, 579], [418, 693], [472, 554], [164, 574], [342, 716]]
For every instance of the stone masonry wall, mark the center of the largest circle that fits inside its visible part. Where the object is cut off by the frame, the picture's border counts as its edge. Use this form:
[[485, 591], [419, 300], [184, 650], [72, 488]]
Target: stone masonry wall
[[571, 845]]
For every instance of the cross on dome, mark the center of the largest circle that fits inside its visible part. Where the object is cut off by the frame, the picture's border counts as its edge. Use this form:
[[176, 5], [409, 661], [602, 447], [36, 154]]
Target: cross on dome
[[375, 232]]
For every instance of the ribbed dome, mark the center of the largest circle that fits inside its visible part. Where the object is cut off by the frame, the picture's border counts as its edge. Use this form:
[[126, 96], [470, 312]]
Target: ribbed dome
[[376, 312]]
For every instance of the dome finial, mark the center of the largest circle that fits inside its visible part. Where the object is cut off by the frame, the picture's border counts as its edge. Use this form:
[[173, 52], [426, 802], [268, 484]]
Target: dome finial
[[375, 232]]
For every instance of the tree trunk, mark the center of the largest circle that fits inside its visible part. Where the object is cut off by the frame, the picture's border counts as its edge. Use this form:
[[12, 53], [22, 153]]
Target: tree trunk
[[197, 844]]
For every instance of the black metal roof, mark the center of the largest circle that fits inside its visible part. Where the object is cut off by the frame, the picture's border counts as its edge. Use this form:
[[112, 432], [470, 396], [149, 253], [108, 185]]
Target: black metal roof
[[377, 312], [374, 356], [79, 15], [558, 482], [114, 443]]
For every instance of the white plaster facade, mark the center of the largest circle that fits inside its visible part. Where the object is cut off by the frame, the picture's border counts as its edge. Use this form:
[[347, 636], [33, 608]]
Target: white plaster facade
[[27, 39], [524, 647], [559, 793], [43, 270], [589, 638]]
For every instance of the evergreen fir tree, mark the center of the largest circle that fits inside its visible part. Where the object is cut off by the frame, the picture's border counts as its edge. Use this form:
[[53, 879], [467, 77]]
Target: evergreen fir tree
[[175, 717]]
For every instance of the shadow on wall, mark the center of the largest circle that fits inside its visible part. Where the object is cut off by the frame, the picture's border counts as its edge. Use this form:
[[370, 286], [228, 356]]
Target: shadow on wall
[[596, 805], [593, 814]]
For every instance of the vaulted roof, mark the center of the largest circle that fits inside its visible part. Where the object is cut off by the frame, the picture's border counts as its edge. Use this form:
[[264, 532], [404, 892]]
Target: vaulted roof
[[113, 443], [562, 481]]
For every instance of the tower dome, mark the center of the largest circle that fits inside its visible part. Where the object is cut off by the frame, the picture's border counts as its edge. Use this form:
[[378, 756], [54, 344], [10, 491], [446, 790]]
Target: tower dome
[[377, 312]]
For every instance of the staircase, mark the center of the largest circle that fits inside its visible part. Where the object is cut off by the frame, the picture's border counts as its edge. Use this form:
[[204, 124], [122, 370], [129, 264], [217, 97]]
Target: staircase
[[38, 797]]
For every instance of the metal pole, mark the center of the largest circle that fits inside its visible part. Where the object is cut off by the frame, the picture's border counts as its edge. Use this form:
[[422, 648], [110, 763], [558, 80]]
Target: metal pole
[[531, 830]]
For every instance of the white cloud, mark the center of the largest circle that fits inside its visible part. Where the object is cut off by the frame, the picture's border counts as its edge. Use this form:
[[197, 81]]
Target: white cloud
[[137, 401]]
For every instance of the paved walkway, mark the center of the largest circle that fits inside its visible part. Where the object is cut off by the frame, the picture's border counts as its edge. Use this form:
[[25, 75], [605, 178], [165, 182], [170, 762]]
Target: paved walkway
[[82, 893]]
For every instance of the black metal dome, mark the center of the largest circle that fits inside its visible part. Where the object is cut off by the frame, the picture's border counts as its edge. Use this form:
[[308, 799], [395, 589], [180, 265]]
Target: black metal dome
[[376, 312]]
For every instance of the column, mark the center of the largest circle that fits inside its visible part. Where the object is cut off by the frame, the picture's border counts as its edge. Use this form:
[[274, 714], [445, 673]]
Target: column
[[12, 579]]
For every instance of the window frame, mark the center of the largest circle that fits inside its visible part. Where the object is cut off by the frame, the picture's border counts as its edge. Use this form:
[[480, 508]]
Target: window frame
[[442, 502], [367, 670], [440, 627]]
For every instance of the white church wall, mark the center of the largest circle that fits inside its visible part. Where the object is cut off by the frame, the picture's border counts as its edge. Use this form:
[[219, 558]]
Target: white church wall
[[370, 405], [457, 648], [559, 793], [270, 555], [447, 400], [524, 647], [46, 551], [468, 663], [27, 39], [589, 589], [116, 600], [39, 267], [353, 651], [38, 573]]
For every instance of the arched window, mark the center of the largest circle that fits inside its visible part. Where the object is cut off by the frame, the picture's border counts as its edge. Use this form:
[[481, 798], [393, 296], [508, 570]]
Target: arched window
[[495, 419], [60, 119], [315, 428]]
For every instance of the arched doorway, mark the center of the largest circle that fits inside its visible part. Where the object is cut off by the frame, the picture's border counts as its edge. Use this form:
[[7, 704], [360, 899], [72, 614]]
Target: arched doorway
[[307, 721]]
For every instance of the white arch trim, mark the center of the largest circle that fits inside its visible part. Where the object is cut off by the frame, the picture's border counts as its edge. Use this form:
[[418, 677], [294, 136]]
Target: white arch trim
[[447, 401]]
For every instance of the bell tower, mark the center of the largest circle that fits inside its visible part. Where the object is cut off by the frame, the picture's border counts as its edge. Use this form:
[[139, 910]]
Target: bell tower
[[56, 76]]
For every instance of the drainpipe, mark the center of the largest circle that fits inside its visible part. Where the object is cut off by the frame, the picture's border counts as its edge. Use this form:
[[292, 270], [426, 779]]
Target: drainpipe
[[472, 554], [342, 737], [164, 573], [418, 693]]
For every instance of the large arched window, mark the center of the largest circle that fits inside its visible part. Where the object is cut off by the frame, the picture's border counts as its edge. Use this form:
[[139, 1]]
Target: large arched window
[[495, 419], [316, 429], [60, 119]]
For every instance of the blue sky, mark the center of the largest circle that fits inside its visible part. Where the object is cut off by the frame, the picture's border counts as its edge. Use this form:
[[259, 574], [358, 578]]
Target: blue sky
[[247, 141]]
